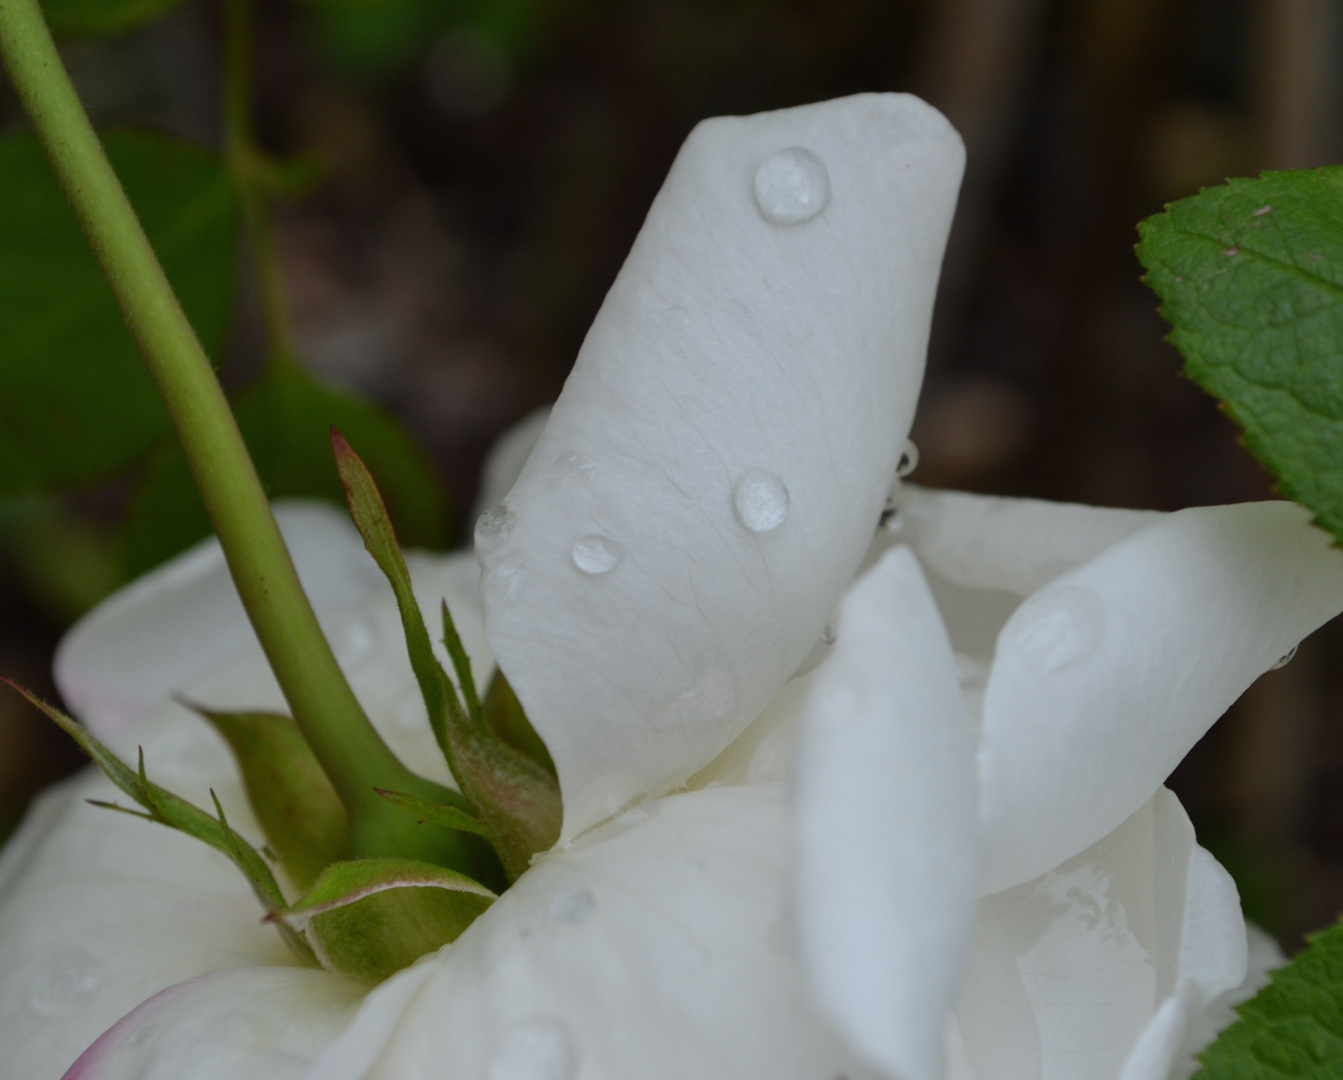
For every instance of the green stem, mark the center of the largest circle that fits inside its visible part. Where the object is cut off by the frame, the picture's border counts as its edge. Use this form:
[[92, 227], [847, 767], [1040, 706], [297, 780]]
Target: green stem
[[248, 163], [349, 749]]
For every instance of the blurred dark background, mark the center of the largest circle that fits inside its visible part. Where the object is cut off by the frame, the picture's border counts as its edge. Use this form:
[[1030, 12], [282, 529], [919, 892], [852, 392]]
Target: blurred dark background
[[486, 165]]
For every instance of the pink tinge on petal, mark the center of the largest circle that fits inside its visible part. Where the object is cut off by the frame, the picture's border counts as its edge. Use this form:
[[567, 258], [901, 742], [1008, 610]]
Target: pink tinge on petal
[[92, 1060]]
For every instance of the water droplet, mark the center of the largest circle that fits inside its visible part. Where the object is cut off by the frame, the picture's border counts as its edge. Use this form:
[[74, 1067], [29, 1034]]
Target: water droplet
[[353, 640], [760, 499], [1058, 628], [596, 554], [65, 982], [572, 907], [493, 527], [791, 187], [828, 634], [909, 459], [676, 315], [536, 1049], [576, 464], [512, 573], [1285, 659]]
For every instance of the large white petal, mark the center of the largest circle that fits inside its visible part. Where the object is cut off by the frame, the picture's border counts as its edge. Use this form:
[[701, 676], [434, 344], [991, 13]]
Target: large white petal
[[659, 949], [1090, 972], [106, 911], [886, 824], [721, 452], [1018, 545], [1106, 677], [183, 619], [262, 1023]]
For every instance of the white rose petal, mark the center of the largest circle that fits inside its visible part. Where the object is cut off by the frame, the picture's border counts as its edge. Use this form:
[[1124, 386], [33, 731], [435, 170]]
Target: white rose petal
[[710, 477]]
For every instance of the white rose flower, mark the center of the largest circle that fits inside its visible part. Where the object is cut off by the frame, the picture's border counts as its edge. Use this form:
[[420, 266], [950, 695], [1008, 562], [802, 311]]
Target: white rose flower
[[943, 851]]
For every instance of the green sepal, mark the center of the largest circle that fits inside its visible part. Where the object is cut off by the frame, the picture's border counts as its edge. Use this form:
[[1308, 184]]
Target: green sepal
[[165, 808], [437, 813], [370, 918], [1251, 278], [1293, 1028], [504, 714], [302, 816], [461, 664], [510, 792]]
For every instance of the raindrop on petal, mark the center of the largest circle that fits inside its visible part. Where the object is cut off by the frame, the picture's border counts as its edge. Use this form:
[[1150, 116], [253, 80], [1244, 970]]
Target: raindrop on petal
[[493, 527], [536, 1049], [761, 500], [596, 554], [909, 459], [828, 634], [512, 575], [573, 907], [791, 187], [1285, 659], [65, 982], [1061, 627]]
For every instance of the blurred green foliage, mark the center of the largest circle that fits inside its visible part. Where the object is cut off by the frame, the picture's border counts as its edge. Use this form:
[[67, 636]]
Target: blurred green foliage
[[76, 401], [286, 420], [100, 18]]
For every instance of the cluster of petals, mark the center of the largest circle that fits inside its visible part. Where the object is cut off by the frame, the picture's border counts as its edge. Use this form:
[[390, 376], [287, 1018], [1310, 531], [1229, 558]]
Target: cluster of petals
[[860, 780]]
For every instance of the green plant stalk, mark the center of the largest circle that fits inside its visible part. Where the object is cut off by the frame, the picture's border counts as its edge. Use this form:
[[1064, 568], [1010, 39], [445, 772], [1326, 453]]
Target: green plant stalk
[[350, 751], [247, 164]]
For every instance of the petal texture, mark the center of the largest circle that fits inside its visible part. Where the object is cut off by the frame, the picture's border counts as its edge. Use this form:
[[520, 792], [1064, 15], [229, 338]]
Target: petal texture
[[257, 1023], [886, 824], [659, 948], [711, 475], [1017, 545], [1105, 678], [1094, 970]]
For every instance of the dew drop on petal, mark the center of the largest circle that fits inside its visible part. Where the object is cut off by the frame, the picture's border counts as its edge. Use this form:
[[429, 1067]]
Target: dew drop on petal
[[493, 527], [791, 187], [1285, 659], [760, 500], [573, 906], [512, 573], [676, 316], [909, 459], [1062, 627], [596, 554], [65, 982], [828, 634], [536, 1049], [572, 463]]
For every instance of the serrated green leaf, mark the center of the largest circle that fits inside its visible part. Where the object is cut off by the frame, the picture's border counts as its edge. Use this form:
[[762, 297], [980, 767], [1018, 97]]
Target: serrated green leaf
[[76, 400], [165, 808], [1251, 275], [102, 18], [511, 793], [285, 420], [1293, 1028], [370, 918], [302, 816], [436, 813]]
